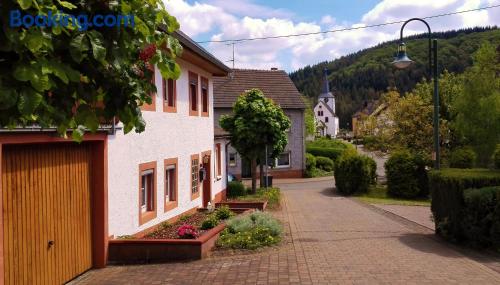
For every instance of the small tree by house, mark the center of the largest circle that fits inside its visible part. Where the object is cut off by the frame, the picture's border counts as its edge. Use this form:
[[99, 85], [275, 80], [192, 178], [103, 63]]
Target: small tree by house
[[256, 122], [73, 77]]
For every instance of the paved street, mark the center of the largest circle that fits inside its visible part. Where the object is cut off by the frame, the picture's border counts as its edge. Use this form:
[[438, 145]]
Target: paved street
[[330, 240]]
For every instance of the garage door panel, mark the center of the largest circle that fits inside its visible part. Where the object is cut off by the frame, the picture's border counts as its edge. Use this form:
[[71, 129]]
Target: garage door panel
[[46, 197]]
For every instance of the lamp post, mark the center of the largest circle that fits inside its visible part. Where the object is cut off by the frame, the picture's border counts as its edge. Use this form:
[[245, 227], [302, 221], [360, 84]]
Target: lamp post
[[403, 61]]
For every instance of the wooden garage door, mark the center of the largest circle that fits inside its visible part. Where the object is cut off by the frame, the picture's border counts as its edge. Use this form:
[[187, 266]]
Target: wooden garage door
[[46, 212]]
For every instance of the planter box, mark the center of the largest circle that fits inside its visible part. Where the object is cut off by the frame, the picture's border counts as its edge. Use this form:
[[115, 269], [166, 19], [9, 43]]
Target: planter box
[[138, 251], [243, 205]]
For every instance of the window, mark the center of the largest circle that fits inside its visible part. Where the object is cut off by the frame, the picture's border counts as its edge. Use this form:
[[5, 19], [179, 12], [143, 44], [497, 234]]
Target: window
[[326, 119], [169, 96], [152, 106], [147, 197], [193, 94], [283, 160], [232, 159], [195, 172], [170, 184], [204, 97], [320, 113], [218, 161]]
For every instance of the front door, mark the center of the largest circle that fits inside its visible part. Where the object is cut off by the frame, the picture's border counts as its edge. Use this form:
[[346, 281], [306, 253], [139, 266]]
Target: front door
[[207, 183]]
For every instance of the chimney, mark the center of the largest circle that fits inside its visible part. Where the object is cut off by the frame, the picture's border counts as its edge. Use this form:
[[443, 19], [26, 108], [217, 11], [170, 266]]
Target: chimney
[[274, 68]]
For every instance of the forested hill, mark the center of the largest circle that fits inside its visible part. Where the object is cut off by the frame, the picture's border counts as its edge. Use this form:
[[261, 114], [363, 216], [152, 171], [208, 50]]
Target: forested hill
[[364, 75]]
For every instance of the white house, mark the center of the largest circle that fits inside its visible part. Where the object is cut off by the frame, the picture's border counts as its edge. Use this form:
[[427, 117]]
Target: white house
[[324, 112], [155, 176]]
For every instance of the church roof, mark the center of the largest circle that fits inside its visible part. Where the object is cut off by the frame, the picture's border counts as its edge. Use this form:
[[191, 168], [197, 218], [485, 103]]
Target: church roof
[[328, 108], [325, 90]]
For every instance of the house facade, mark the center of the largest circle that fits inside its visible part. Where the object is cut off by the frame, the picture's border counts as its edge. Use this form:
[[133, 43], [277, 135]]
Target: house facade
[[62, 201], [276, 85], [325, 115]]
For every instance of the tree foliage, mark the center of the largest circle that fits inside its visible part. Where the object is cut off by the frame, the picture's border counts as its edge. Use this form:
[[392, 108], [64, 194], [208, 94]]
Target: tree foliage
[[256, 122], [365, 75], [477, 108], [71, 78]]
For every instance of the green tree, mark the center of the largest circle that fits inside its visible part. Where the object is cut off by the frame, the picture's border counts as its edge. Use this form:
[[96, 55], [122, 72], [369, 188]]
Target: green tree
[[309, 120], [256, 122], [477, 108], [74, 78]]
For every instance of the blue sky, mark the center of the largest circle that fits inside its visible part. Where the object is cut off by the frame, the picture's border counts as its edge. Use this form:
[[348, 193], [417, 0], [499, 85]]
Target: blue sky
[[233, 19]]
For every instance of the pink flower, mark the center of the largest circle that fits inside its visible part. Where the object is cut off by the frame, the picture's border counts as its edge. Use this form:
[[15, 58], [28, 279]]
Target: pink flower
[[187, 232]]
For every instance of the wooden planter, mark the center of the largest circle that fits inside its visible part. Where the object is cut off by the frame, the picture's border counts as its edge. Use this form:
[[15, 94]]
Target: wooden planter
[[242, 206], [138, 251]]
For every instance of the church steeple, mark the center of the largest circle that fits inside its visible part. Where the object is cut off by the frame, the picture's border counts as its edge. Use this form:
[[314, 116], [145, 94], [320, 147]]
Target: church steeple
[[326, 87]]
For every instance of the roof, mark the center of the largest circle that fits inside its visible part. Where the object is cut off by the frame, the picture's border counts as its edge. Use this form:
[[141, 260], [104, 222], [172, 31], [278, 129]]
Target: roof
[[328, 108], [368, 109], [276, 85], [220, 132], [191, 47]]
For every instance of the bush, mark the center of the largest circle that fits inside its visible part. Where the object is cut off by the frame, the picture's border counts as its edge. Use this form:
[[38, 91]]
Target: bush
[[496, 157], [462, 158], [324, 163], [372, 169], [235, 189], [478, 215], [352, 173], [447, 187], [210, 222], [331, 153], [310, 165], [251, 231], [406, 175], [272, 195], [223, 213]]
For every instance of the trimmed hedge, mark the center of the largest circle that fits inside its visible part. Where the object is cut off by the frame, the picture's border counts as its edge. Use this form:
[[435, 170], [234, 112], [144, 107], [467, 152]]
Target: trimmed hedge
[[331, 153], [479, 216], [406, 175], [310, 165], [447, 187], [235, 189], [496, 157], [353, 173], [462, 158], [324, 163]]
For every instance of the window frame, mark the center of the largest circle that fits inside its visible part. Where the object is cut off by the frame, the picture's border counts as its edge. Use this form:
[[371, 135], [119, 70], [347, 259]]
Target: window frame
[[326, 119], [289, 160], [151, 107], [193, 81], [170, 204], [229, 159], [166, 106], [205, 87], [147, 216], [196, 194]]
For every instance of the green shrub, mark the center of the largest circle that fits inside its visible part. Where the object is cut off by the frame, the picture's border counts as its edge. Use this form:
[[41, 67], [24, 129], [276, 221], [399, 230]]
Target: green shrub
[[352, 174], [446, 187], [223, 213], [324, 163], [272, 195], [310, 161], [251, 231], [462, 158], [210, 222], [496, 157], [495, 227], [406, 175], [372, 169], [328, 143], [235, 189], [331, 153], [478, 215]]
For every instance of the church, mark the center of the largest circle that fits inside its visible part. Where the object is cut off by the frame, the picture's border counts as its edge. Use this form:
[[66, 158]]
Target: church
[[327, 122]]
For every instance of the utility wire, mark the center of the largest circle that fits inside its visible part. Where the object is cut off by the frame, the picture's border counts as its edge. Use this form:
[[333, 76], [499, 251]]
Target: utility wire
[[346, 29]]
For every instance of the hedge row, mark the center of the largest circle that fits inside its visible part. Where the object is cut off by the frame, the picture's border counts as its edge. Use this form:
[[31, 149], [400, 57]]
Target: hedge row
[[447, 190], [331, 153]]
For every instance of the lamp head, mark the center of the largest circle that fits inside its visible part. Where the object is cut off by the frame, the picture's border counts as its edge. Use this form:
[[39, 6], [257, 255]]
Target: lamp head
[[402, 60]]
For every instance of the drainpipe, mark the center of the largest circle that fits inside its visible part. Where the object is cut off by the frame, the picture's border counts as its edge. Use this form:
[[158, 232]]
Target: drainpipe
[[226, 164]]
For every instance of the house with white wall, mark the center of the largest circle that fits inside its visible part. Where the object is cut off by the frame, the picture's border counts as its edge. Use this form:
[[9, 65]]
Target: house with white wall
[[155, 175], [325, 115]]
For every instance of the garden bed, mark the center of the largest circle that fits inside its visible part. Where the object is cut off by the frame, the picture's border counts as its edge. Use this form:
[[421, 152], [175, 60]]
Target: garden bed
[[241, 206], [164, 245]]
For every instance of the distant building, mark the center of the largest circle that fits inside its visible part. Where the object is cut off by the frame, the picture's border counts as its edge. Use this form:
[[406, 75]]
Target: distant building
[[324, 112]]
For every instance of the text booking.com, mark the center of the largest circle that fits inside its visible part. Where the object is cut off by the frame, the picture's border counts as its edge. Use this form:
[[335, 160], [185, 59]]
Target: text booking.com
[[82, 21]]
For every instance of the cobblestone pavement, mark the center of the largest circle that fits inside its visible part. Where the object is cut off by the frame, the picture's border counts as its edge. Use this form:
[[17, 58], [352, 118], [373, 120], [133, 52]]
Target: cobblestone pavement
[[330, 240], [421, 215]]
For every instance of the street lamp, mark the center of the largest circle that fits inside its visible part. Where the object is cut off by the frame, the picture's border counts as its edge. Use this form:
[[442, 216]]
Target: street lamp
[[403, 61]]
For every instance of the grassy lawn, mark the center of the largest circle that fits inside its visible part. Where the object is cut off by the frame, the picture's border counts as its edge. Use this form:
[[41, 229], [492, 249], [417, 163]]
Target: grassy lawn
[[378, 195]]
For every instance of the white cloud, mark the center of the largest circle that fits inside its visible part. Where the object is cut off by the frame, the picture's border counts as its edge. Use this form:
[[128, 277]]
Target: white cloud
[[243, 19]]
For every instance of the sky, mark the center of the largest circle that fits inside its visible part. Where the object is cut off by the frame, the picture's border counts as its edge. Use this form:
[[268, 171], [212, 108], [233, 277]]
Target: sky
[[205, 20]]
